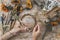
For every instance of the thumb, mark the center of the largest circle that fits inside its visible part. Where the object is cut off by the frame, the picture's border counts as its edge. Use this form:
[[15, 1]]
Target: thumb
[[35, 29]]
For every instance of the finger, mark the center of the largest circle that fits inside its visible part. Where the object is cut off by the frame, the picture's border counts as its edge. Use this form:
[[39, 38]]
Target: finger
[[38, 28], [17, 24], [23, 29], [36, 25], [35, 29]]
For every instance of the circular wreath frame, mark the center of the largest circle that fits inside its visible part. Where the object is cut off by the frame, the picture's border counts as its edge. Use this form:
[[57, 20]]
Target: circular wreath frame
[[31, 16]]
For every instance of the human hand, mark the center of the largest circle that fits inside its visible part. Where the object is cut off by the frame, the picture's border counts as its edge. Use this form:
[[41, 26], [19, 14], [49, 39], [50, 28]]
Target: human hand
[[13, 32], [17, 28], [36, 32]]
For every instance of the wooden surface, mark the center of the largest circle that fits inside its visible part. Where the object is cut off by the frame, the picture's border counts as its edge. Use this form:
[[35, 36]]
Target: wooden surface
[[28, 35]]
